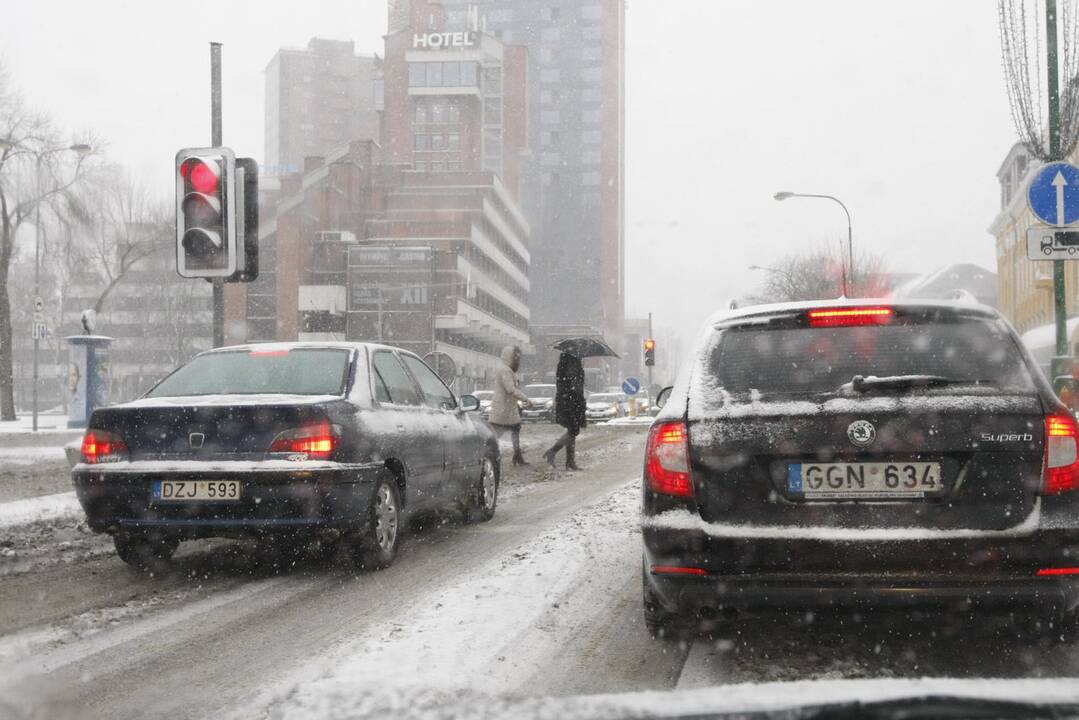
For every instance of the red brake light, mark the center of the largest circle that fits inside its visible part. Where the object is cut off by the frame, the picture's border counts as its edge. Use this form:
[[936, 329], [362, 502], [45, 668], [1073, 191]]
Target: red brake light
[[101, 446], [269, 353], [677, 570], [1045, 572], [667, 460], [1061, 454], [848, 317], [316, 441]]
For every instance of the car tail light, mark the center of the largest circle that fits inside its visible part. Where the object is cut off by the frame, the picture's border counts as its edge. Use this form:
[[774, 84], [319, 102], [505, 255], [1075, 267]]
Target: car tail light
[[1061, 454], [317, 441], [847, 317], [101, 446], [677, 570], [667, 460], [1046, 572]]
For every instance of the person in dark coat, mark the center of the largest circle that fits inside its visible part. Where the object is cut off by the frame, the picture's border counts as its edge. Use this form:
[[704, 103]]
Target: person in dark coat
[[569, 406]]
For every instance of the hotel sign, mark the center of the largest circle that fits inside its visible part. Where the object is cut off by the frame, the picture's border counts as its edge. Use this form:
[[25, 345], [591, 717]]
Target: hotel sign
[[440, 41]]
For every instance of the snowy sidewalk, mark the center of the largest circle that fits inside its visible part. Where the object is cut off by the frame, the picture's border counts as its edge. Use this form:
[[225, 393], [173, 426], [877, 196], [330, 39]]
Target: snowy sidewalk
[[45, 508]]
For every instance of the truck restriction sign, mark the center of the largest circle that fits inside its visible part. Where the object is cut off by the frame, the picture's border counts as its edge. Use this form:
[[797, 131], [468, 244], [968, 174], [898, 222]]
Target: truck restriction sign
[[1046, 243]]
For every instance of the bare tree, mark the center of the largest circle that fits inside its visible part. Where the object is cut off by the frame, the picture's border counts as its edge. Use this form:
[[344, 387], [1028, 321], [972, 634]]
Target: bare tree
[[34, 171], [1024, 61], [818, 274], [125, 225]]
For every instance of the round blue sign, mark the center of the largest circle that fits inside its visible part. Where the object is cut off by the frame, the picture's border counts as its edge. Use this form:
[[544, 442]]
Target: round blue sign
[[1053, 194], [631, 386]]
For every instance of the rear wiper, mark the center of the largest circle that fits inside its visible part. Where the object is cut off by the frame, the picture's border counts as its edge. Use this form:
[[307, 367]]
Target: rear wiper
[[862, 384]]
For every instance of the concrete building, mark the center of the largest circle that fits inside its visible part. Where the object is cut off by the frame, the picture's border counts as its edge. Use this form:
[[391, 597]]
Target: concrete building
[[317, 98], [573, 188], [1025, 286], [417, 239], [945, 282]]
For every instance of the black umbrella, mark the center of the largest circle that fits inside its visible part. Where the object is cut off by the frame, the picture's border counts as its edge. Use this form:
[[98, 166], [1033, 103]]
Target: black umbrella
[[583, 347]]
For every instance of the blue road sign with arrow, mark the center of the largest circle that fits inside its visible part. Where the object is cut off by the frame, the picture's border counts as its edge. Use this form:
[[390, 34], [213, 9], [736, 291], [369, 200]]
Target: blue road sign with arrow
[[631, 386], [1053, 194]]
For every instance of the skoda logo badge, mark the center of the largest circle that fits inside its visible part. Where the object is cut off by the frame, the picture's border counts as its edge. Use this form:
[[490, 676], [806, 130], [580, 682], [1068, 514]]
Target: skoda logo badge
[[196, 440], [861, 433]]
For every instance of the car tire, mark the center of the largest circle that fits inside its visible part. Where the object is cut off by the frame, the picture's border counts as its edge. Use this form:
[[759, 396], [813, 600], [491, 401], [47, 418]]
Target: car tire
[[660, 622], [484, 496], [376, 547], [145, 554]]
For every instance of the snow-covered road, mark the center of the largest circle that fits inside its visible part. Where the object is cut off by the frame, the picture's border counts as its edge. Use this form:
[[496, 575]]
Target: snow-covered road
[[534, 614]]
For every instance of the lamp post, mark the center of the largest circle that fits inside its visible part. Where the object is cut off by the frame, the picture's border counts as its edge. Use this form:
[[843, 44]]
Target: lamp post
[[783, 195], [81, 150]]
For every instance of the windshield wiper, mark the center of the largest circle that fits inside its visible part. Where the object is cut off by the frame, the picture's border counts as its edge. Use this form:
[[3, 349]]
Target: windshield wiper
[[938, 708], [861, 384]]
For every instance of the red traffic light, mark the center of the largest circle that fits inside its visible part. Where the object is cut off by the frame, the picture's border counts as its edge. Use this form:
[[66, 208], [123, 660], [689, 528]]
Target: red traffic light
[[649, 344], [203, 177]]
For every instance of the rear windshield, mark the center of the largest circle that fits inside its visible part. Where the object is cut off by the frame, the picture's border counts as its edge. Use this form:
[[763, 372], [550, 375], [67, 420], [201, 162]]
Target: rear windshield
[[290, 372], [540, 391], [819, 360], [604, 397]]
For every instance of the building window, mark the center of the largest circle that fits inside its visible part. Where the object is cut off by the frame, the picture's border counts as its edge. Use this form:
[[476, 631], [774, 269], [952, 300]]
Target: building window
[[468, 74], [453, 165], [549, 13], [451, 74], [417, 74], [590, 157], [591, 137], [438, 141], [546, 54], [591, 95], [591, 116], [550, 158], [550, 137], [592, 74], [437, 114], [591, 12], [551, 75], [453, 113], [550, 35], [590, 178], [551, 117], [438, 166], [420, 142], [421, 113], [590, 52], [419, 166], [453, 141], [592, 32], [434, 74]]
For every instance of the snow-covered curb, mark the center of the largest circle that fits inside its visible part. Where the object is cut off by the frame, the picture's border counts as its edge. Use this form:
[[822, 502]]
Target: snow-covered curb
[[45, 508], [639, 420]]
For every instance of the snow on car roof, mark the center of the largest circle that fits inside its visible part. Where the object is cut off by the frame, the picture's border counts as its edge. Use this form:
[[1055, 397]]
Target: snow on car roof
[[749, 311]]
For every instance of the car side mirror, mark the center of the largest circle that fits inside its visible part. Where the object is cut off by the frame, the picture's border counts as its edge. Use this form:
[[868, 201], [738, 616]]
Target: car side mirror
[[1067, 389], [470, 403], [663, 396]]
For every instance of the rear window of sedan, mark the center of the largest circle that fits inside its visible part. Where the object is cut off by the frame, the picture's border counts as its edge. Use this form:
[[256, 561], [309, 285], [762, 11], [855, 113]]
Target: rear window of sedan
[[795, 360], [307, 371]]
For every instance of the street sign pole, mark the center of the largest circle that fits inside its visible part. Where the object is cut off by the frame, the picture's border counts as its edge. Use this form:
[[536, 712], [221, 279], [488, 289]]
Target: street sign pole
[[216, 141], [1060, 306], [650, 367]]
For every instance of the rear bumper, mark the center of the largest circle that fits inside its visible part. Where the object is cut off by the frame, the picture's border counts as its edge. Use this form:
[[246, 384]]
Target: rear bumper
[[535, 414], [757, 574], [272, 501]]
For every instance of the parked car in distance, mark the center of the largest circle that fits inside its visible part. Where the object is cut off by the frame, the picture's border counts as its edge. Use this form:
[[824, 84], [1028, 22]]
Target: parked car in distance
[[542, 397], [605, 406], [485, 397], [862, 454], [307, 445]]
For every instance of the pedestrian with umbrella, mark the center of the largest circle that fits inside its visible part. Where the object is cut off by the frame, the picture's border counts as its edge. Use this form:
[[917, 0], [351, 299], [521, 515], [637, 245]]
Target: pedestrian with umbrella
[[569, 393]]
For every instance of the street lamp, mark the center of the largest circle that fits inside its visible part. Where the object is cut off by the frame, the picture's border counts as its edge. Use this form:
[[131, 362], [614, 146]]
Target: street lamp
[[786, 194]]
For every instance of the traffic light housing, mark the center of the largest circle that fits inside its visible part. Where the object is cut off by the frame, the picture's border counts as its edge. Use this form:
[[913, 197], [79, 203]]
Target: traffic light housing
[[216, 215], [649, 352]]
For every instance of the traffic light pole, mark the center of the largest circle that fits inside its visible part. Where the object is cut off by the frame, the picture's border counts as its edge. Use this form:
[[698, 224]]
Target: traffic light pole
[[650, 367], [216, 141]]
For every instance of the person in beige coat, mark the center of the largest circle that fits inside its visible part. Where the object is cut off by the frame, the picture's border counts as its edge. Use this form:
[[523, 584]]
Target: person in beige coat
[[505, 413]]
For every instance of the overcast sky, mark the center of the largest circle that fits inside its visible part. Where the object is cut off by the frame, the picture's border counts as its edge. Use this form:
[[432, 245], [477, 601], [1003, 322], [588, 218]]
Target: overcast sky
[[898, 108]]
